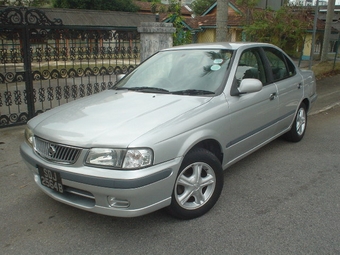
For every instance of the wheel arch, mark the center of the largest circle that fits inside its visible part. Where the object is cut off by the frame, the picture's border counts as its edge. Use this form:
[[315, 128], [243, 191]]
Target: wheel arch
[[211, 145], [307, 104]]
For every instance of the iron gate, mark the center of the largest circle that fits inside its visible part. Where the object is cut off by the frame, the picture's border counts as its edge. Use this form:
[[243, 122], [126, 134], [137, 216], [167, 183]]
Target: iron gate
[[45, 63]]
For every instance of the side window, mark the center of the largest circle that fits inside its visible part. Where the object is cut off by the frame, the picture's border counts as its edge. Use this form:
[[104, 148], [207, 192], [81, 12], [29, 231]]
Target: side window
[[281, 66], [250, 66]]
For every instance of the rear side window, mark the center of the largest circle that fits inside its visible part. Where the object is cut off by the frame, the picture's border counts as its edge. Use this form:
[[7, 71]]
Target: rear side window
[[281, 66]]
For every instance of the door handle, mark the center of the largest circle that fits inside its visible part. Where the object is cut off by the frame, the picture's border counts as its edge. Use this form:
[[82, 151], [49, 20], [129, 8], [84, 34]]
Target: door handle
[[299, 85], [272, 96]]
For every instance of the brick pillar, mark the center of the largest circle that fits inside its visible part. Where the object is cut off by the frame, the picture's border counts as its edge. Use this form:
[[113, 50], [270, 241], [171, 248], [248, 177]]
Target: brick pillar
[[154, 36]]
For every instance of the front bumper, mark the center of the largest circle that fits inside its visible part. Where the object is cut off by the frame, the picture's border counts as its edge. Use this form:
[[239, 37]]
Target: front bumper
[[88, 188]]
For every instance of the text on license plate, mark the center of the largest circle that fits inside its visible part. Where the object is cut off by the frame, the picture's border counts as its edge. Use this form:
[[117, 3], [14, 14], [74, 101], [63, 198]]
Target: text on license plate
[[51, 179]]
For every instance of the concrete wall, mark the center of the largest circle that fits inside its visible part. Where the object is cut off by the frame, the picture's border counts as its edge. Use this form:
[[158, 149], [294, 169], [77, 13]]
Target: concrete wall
[[154, 36]]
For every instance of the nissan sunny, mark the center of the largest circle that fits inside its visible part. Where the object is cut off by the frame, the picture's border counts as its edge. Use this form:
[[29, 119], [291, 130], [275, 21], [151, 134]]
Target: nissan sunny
[[163, 134]]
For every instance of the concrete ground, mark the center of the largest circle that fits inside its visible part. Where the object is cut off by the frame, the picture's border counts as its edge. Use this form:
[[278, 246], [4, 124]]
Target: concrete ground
[[328, 90]]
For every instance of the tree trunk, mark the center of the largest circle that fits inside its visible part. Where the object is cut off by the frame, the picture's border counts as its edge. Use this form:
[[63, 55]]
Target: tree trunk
[[222, 21], [327, 34]]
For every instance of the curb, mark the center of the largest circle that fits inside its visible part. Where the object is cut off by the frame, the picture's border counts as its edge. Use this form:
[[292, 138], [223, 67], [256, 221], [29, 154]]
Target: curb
[[324, 109]]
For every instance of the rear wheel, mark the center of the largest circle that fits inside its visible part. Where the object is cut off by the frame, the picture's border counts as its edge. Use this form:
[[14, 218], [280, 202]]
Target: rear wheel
[[296, 133], [198, 185]]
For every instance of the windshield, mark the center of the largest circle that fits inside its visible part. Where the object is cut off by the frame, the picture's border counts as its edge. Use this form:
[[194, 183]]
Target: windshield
[[189, 72]]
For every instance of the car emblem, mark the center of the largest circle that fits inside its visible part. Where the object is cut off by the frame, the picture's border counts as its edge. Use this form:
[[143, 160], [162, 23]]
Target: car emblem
[[51, 150]]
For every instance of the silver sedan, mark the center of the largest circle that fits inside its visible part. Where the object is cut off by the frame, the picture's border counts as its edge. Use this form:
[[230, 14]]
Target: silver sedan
[[163, 135]]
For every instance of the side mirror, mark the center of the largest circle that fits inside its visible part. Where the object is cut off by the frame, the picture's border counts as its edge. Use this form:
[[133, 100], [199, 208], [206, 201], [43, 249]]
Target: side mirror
[[250, 86]]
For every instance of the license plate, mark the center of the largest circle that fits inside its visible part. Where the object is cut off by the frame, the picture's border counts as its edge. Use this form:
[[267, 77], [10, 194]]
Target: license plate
[[51, 179]]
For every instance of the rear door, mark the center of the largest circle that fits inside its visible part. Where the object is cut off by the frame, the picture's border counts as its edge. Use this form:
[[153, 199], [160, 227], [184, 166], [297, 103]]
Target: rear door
[[289, 85]]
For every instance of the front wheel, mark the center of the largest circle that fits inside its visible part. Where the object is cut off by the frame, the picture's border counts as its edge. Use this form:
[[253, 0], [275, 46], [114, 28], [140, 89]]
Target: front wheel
[[296, 133], [198, 185]]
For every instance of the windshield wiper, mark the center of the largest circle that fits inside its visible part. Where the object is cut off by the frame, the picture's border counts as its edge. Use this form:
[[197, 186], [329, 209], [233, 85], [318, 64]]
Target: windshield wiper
[[146, 89], [193, 92]]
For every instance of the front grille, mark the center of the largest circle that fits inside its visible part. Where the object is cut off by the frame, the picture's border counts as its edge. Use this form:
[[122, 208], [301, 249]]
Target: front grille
[[55, 152]]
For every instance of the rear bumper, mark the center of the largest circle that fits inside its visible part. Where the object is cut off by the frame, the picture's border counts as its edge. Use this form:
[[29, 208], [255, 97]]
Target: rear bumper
[[138, 192]]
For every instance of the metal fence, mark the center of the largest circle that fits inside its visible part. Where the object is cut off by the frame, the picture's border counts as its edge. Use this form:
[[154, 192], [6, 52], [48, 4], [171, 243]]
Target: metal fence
[[44, 63]]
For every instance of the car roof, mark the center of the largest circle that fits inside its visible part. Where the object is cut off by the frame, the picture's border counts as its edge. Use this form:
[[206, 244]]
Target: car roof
[[220, 45]]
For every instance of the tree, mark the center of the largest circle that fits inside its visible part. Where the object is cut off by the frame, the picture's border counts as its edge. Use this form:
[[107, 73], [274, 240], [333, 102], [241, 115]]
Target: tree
[[112, 5], [326, 37], [248, 5], [29, 3], [200, 6], [222, 21], [151, 1], [284, 28], [181, 36]]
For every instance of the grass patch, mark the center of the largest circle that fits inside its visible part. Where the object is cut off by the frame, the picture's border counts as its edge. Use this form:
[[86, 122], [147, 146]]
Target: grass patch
[[325, 69]]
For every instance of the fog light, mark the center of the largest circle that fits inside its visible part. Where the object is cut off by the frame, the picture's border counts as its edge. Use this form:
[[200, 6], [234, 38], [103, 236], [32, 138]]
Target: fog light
[[118, 203]]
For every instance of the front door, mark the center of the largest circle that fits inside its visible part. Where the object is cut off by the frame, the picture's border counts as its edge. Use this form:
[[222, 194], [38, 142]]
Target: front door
[[252, 116]]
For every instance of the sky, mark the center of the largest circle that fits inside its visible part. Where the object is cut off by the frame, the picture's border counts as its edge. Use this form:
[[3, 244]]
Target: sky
[[337, 2]]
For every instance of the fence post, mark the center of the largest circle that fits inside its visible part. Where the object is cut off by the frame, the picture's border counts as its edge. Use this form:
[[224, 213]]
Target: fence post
[[28, 72], [154, 36]]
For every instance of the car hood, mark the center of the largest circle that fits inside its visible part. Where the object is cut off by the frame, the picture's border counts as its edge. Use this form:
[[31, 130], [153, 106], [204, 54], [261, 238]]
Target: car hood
[[111, 117]]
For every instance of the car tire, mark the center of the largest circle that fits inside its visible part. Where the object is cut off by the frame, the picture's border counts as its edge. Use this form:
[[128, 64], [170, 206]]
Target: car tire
[[298, 129], [198, 185]]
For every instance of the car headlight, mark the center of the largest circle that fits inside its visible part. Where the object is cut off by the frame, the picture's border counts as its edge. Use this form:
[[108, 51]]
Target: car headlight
[[29, 136], [120, 158], [136, 158]]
